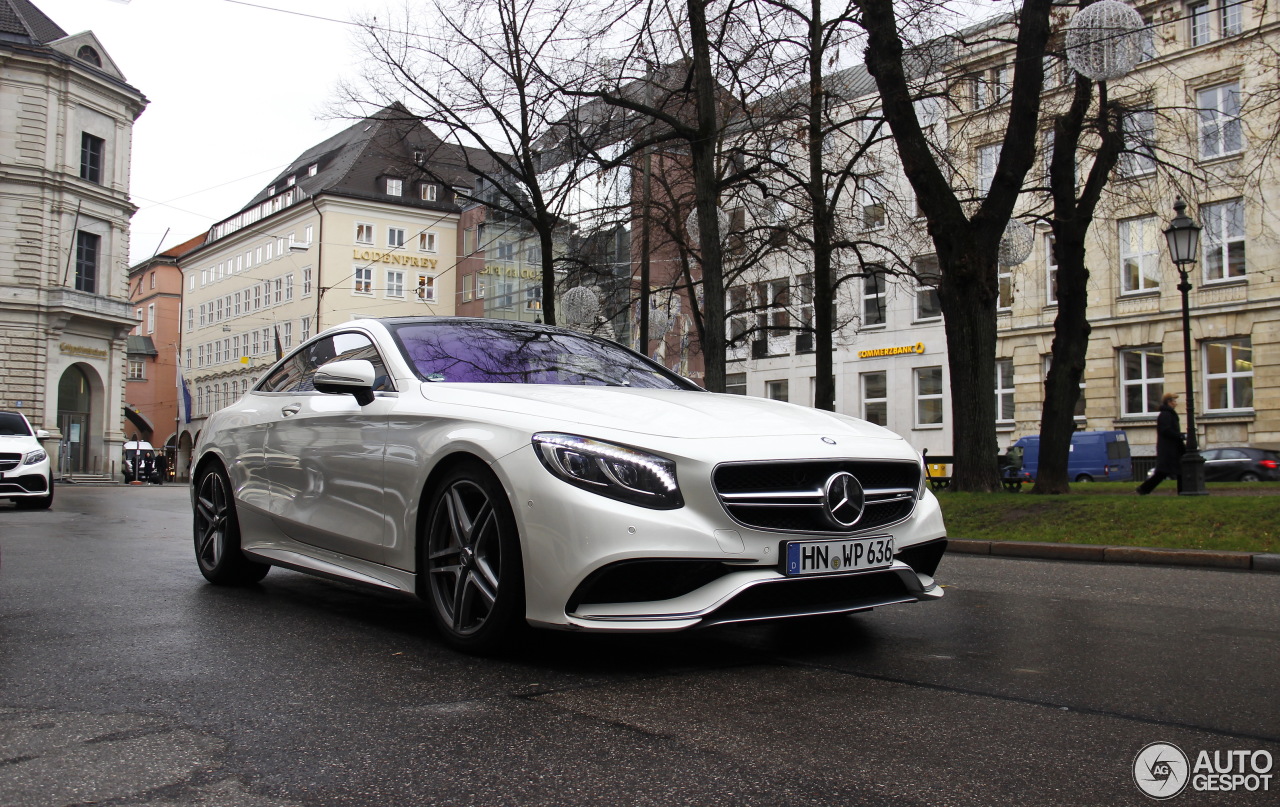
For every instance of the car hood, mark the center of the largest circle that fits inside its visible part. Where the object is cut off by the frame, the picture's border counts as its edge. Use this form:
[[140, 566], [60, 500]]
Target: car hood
[[667, 413]]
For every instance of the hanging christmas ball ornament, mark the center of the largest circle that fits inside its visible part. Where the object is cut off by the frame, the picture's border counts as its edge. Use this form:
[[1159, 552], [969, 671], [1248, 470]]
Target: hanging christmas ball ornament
[[1016, 243], [1103, 41], [580, 305], [691, 224]]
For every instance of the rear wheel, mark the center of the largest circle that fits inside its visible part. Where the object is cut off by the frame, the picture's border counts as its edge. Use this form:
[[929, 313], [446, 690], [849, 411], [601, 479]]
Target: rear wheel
[[471, 557], [1084, 478], [1249, 476], [217, 533]]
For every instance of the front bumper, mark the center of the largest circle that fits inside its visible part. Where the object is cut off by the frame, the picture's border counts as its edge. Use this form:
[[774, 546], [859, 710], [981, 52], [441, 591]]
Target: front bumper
[[26, 480], [693, 566]]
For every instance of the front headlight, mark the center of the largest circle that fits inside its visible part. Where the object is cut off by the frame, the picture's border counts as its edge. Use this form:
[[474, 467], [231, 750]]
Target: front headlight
[[35, 456], [610, 469]]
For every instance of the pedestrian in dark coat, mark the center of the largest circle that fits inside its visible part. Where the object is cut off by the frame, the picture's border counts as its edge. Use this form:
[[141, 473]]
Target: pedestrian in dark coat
[[1171, 444]]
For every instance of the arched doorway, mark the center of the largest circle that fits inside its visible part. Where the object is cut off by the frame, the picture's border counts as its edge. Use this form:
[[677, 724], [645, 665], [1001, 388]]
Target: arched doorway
[[75, 408]]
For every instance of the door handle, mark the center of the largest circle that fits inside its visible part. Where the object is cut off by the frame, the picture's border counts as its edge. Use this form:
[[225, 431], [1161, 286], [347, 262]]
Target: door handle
[[291, 409]]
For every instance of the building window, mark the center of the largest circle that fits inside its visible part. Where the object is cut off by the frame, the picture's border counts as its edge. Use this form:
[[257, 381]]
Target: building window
[[873, 296], [306, 328], [1223, 239], [187, 365], [235, 349], [875, 398], [776, 390], [395, 283], [1139, 157], [151, 318], [1198, 20], [928, 396], [311, 169], [137, 314], [928, 306], [235, 305], [429, 192], [1004, 390], [91, 157], [533, 298], [191, 320], [87, 247], [1004, 287], [86, 53], [136, 370], [271, 246], [288, 287], [871, 203], [395, 236], [988, 157], [363, 280], [277, 291], [306, 234], [1147, 40], [773, 317], [257, 298], [1221, 131], [306, 281], [257, 345], [1051, 271], [1228, 374], [1229, 17], [364, 233], [735, 383], [427, 242], [191, 282], [1139, 255], [394, 187], [153, 280], [426, 289], [287, 331], [1142, 380], [739, 322]]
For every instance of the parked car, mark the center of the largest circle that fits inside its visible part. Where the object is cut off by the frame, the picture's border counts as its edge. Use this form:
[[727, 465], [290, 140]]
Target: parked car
[[26, 474], [1240, 465], [1096, 456], [510, 473], [141, 463]]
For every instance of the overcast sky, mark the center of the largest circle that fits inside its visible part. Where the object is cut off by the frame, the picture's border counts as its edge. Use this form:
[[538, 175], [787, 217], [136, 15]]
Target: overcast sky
[[236, 92]]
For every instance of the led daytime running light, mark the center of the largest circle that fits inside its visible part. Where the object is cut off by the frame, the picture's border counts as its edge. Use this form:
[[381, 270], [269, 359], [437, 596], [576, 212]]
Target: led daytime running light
[[605, 473]]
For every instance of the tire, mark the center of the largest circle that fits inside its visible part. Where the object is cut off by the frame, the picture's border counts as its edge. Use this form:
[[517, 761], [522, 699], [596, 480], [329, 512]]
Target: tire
[[1249, 476], [470, 556], [36, 502], [1084, 478], [216, 531]]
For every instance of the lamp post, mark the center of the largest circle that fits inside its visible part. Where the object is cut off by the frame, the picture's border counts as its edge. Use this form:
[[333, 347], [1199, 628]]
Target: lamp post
[[1183, 236]]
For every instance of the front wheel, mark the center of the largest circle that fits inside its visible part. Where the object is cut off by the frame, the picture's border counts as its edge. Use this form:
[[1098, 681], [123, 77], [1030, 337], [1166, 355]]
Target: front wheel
[[1084, 478], [471, 557], [217, 533], [36, 502], [1249, 476]]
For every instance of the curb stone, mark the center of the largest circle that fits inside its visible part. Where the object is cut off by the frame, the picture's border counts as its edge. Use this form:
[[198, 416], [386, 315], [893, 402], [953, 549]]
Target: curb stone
[[1203, 558]]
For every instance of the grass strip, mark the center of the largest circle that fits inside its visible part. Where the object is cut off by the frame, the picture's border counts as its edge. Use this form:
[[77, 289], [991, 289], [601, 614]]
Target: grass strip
[[1242, 518]]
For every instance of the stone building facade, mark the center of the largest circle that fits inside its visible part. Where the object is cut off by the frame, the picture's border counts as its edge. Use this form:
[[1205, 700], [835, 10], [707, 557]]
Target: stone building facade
[[66, 121]]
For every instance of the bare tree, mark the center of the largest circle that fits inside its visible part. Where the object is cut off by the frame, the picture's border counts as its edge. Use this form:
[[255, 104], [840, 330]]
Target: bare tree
[[484, 78]]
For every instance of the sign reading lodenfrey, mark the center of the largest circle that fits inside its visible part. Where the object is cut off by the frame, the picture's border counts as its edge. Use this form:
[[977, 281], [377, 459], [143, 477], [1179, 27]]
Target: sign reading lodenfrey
[[394, 258], [81, 350]]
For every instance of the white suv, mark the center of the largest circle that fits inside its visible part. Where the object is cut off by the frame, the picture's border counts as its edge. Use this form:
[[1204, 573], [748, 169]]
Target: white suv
[[25, 473]]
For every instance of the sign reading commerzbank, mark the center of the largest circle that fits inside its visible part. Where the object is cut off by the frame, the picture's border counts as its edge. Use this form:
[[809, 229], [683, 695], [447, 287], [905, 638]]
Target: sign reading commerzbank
[[395, 258], [918, 347]]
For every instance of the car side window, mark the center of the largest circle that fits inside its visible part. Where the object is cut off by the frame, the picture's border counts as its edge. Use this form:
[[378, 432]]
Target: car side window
[[297, 372], [358, 346], [1233, 454]]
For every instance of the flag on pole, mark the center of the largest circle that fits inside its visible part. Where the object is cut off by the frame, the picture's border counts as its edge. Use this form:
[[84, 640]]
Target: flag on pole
[[279, 348]]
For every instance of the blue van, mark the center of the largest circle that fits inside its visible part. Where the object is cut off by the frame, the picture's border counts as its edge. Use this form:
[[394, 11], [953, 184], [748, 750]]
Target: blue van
[[1099, 456]]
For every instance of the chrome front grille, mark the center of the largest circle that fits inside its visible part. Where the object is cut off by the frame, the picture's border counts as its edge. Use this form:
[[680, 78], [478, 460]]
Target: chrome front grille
[[9, 461], [788, 496]]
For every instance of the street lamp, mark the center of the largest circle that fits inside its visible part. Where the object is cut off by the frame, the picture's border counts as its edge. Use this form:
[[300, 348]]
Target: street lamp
[[1184, 247]]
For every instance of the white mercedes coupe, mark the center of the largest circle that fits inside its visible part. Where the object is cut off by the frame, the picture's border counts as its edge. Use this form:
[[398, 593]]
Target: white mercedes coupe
[[511, 474]]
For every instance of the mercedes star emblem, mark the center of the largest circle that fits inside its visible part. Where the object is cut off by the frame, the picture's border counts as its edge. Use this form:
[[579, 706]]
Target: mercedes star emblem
[[843, 499]]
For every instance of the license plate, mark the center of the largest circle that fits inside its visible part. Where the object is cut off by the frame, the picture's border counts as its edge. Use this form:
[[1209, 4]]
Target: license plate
[[827, 557]]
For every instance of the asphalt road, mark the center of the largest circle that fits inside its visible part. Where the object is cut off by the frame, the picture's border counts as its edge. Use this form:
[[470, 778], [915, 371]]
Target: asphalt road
[[126, 680]]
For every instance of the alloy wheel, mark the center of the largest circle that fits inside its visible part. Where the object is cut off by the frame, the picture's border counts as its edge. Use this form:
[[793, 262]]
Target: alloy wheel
[[465, 557]]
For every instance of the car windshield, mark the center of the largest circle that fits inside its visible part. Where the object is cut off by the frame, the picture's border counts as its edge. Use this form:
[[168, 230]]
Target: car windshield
[[12, 425], [477, 352]]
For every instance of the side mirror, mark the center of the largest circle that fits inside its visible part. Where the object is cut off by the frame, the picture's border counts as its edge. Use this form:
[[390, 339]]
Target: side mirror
[[42, 434], [350, 377]]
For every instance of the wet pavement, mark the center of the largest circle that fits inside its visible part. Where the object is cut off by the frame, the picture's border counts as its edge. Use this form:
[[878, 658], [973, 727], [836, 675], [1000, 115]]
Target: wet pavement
[[126, 680]]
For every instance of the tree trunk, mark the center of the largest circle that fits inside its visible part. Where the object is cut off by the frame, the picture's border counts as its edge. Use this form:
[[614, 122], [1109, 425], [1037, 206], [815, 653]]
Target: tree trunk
[[706, 191], [1070, 342], [824, 395]]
